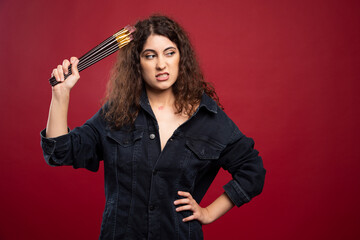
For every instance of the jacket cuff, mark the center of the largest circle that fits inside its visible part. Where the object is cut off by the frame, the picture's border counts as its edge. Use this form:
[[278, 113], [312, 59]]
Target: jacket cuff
[[237, 195], [50, 144]]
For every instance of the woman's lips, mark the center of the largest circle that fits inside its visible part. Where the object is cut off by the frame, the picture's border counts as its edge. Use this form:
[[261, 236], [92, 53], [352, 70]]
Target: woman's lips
[[162, 76]]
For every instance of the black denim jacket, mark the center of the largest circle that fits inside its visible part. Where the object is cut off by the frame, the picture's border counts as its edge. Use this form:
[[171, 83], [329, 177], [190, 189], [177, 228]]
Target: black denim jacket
[[141, 181]]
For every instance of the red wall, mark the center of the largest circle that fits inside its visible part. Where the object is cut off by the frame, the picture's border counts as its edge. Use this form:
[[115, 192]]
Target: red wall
[[287, 73]]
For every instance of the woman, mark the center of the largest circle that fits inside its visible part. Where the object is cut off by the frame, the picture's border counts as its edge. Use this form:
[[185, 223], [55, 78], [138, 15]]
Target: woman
[[162, 136]]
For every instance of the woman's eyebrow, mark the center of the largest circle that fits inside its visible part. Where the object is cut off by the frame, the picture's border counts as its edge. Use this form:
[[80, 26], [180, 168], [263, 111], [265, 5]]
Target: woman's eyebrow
[[149, 50], [152, 50], [169, 48]]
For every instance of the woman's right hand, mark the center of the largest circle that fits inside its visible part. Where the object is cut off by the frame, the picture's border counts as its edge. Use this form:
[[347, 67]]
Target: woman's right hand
[[61, 70]]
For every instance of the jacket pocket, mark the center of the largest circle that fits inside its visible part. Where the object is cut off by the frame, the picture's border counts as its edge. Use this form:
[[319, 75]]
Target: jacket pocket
[[125, 145], [205, 149], [125, 138]]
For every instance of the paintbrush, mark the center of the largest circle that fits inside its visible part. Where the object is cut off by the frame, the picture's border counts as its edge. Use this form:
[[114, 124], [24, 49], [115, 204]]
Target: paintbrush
[[104, 49]]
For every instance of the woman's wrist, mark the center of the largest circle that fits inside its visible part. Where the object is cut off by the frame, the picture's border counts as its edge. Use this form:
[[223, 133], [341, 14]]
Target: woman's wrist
[[208, 218], [217, 208], [60, 94]]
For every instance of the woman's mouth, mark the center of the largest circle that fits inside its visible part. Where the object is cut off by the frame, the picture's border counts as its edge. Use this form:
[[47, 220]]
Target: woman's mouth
[[162, 76]]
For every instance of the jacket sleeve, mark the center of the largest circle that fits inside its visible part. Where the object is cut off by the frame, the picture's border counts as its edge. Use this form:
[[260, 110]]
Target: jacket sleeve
[[80, 148], [245, 165]]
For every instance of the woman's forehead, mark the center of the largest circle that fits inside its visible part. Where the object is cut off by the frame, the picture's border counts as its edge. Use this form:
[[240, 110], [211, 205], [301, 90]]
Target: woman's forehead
[[158, 43]]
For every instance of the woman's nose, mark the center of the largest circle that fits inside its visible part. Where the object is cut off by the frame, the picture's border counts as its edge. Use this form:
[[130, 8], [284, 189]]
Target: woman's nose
[[160, 64]]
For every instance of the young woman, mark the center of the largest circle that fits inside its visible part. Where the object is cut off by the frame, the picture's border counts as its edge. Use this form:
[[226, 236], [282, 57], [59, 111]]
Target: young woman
[[162, 137]]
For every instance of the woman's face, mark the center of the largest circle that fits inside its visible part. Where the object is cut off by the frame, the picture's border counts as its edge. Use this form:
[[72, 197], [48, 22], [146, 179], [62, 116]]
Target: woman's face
[[159, 61]]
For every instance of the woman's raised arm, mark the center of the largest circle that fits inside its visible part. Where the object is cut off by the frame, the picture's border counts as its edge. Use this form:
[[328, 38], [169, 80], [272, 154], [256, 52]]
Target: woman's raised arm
[[57, 120]]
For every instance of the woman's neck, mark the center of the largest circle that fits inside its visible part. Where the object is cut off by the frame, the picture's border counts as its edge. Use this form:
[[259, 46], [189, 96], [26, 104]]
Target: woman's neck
[[161, 99]]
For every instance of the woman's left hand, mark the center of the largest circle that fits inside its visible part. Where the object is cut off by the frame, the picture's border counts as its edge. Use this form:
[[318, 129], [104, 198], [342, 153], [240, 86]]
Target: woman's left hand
[[189, 203]]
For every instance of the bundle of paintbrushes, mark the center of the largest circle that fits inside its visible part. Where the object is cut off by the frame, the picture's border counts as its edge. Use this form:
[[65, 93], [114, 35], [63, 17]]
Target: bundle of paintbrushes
[[104, 49]]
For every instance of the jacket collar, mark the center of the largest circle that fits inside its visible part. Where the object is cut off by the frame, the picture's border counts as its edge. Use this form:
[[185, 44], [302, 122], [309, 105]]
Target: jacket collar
[[145, 104], [206, 102]]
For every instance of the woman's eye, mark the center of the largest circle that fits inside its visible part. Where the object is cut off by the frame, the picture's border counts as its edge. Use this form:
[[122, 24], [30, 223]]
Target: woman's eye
[[170, 53], [150, 56]]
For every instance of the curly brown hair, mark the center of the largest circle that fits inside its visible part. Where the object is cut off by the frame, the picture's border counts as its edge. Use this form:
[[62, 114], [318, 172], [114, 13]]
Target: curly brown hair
[[126, 83]]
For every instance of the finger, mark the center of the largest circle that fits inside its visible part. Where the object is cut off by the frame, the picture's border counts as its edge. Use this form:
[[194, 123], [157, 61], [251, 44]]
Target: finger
[[184, 208], [60, 72], [184, 194], [190, 218], [182, 201], [56, 74], [74, 61], [66, 65]]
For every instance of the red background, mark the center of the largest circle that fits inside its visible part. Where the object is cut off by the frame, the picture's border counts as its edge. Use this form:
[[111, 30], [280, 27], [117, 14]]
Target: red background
[[287, 73]]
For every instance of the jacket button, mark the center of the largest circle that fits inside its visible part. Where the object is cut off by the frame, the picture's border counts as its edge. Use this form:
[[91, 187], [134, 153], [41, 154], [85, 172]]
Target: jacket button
[[152, 136], [152, 207]]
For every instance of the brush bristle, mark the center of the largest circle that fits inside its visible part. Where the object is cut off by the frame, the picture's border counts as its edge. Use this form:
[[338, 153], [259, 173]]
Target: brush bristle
[[131, 29]]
